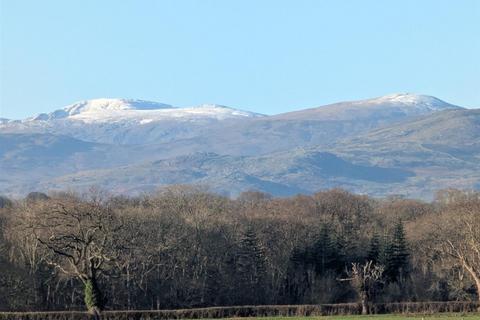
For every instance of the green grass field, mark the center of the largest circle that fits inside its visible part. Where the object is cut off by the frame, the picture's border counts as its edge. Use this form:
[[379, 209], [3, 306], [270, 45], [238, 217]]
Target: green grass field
[[380, 317]]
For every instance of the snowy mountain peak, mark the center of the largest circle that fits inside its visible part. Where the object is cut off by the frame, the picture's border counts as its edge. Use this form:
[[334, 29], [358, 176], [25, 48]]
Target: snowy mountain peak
[[101, 106], [139, 111], [415, 100], [386, 108]]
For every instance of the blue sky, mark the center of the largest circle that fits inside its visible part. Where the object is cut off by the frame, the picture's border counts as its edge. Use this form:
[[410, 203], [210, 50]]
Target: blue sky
[[264, 56]]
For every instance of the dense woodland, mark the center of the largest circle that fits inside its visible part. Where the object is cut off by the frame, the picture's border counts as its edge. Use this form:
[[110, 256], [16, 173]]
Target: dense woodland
[[184, 247]]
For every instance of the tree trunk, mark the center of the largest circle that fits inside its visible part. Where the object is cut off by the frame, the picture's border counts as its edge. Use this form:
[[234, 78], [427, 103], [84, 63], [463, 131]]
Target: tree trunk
[[476, 278], [364, 308], [477, 283], [364, 304]]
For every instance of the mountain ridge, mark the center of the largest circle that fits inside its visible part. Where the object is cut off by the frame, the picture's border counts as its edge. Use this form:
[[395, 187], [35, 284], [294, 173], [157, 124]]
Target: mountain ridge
[[397, 144], [406, 103]]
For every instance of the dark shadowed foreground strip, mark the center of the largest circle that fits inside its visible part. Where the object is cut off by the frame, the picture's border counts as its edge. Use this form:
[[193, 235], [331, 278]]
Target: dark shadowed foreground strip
[[426, 308]]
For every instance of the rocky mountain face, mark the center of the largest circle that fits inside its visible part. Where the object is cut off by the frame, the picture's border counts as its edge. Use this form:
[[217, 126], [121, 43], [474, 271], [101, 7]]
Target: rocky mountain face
[[402, 144]]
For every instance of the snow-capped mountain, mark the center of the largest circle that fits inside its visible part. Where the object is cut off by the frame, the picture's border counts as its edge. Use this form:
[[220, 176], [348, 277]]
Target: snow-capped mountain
[[211, 127], [402, 143], [393, 106], [124, 121], [411, 100], [105, 110], [316, 127], [97, 108]]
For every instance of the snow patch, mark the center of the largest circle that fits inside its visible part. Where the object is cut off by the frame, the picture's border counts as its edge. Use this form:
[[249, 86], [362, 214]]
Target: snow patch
[[138, 111], [414, 100], [102, 105]]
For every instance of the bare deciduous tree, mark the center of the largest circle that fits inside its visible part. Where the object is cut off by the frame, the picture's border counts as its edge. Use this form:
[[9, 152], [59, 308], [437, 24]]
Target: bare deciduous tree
[[459, 236], [365, 278], [81, 237]]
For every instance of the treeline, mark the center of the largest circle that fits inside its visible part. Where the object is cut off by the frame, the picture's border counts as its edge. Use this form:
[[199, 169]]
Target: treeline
[[186, 248]]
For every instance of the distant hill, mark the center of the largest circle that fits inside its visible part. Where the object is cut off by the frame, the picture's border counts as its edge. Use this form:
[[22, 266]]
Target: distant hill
[[381, 109]]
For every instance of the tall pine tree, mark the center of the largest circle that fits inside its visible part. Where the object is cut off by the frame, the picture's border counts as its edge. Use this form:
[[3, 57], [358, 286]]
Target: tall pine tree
[[374, 249], [397, 254], [324, 253]]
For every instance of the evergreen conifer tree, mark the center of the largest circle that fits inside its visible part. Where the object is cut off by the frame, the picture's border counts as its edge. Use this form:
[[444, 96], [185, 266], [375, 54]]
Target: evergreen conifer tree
[[397, 254], [375, 249], [324, 252]]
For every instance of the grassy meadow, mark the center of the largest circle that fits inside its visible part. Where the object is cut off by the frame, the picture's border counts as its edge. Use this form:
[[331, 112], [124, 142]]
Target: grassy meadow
[[380, 317]]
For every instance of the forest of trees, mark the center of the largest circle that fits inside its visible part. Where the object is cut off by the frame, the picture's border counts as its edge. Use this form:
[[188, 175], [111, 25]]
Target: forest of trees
[[184, 247]]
